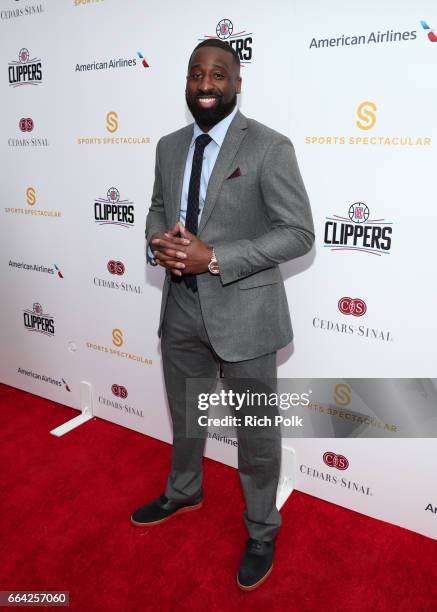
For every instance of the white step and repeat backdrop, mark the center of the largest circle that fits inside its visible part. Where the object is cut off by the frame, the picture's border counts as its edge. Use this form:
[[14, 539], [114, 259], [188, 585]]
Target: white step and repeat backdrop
[[89, 87]]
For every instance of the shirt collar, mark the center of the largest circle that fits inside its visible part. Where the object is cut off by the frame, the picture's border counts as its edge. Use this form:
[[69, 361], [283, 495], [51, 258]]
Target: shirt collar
[[218, 132]]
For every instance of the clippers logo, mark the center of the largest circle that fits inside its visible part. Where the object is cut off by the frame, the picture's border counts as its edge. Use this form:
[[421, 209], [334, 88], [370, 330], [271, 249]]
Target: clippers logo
[[335, 461], [25, 71], [240, 41], [26, 124], [366, 115], [352, 306], [113, 211], [358, 212], [371, 236], [116, 267], [119, 391], [430, 31], [37, 320], [224, 29]]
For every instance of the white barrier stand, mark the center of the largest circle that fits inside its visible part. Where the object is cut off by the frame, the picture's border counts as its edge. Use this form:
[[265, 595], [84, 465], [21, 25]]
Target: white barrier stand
[[86, 402], [287, 477]]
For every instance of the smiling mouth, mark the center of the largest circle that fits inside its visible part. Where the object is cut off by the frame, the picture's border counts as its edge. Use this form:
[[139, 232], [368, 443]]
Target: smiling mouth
[[207, 101]]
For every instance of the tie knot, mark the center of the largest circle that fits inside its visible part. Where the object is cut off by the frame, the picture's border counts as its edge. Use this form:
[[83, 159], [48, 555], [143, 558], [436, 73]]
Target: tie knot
[[202, 141]]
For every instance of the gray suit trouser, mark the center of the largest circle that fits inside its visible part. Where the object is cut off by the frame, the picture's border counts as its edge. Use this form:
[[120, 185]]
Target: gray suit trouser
[[187, 353]]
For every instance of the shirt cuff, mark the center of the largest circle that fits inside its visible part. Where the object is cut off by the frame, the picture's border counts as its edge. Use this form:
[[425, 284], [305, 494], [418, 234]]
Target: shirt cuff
[[150, 259]]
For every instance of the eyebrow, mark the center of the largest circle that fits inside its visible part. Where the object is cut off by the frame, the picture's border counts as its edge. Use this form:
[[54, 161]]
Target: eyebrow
[[214, 66]]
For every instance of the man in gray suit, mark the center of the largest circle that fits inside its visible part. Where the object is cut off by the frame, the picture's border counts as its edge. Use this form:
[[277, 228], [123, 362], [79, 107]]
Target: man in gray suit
[[228, 206]]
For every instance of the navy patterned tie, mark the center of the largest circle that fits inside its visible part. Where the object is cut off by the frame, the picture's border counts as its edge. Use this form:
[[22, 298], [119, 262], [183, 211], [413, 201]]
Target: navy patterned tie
[[191, 219]]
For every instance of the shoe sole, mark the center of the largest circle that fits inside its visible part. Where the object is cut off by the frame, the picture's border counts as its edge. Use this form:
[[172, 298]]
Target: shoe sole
[[257, 584], [167, 518]]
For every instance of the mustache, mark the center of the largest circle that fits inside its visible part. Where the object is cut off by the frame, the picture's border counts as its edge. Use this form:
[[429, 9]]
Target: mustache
[[208, 95]]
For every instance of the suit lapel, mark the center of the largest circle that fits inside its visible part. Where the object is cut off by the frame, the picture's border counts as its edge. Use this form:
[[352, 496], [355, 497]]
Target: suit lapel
[[222, 167], [177, 179]]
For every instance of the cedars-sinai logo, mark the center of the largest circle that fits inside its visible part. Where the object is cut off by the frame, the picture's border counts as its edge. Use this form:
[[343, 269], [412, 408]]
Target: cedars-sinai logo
[[335, 461], [25, 71], [113, 211], [39, 321], [358, 232], [241, 41], [119, 391], [116, 267], [26, 124], [352, 306]]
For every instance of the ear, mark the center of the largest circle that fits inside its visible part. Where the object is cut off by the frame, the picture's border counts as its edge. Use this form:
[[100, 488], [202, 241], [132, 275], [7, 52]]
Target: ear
[[238, 84]]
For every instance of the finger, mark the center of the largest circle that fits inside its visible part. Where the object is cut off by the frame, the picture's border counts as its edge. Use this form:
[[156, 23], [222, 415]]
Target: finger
[[161, 255], [170, 249], [174, 254], [173, 234], [166, 254], [186, 233], [168, 261], [170, 242], [172, 271], [169, 265]]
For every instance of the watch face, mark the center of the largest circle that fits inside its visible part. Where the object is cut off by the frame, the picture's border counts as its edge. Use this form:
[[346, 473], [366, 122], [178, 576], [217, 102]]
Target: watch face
[[213, 267]]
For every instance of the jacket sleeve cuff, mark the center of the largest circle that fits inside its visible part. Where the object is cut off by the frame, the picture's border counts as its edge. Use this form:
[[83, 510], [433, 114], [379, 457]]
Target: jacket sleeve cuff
[[232, 263]]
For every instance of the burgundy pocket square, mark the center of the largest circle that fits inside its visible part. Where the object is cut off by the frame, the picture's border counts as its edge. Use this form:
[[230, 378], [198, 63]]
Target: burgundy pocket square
[[236, 172]]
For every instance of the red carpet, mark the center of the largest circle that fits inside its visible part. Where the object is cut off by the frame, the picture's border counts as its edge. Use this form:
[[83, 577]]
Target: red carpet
[[65, 507]]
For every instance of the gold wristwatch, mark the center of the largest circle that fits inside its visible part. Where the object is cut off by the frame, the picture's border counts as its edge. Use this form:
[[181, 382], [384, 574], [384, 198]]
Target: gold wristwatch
[[213, 266]]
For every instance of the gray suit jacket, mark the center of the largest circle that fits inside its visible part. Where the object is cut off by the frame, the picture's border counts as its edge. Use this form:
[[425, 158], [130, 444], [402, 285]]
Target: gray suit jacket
[[254, 222]]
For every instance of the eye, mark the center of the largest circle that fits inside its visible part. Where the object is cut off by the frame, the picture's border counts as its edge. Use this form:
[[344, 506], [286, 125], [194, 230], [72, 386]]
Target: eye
[[219, 75]]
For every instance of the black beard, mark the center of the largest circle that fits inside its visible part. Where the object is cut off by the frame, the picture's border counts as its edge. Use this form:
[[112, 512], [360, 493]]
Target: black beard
[[208, 117]]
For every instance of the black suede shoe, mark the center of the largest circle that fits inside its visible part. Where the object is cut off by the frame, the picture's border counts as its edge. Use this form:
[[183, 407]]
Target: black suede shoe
[[256, 564], [161, 509]]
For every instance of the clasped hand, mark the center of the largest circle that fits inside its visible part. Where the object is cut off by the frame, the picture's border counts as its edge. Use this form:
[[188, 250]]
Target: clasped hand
[[180, 251]]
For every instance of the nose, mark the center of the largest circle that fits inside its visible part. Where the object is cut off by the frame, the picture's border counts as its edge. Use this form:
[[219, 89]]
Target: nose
[[205, 85]]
